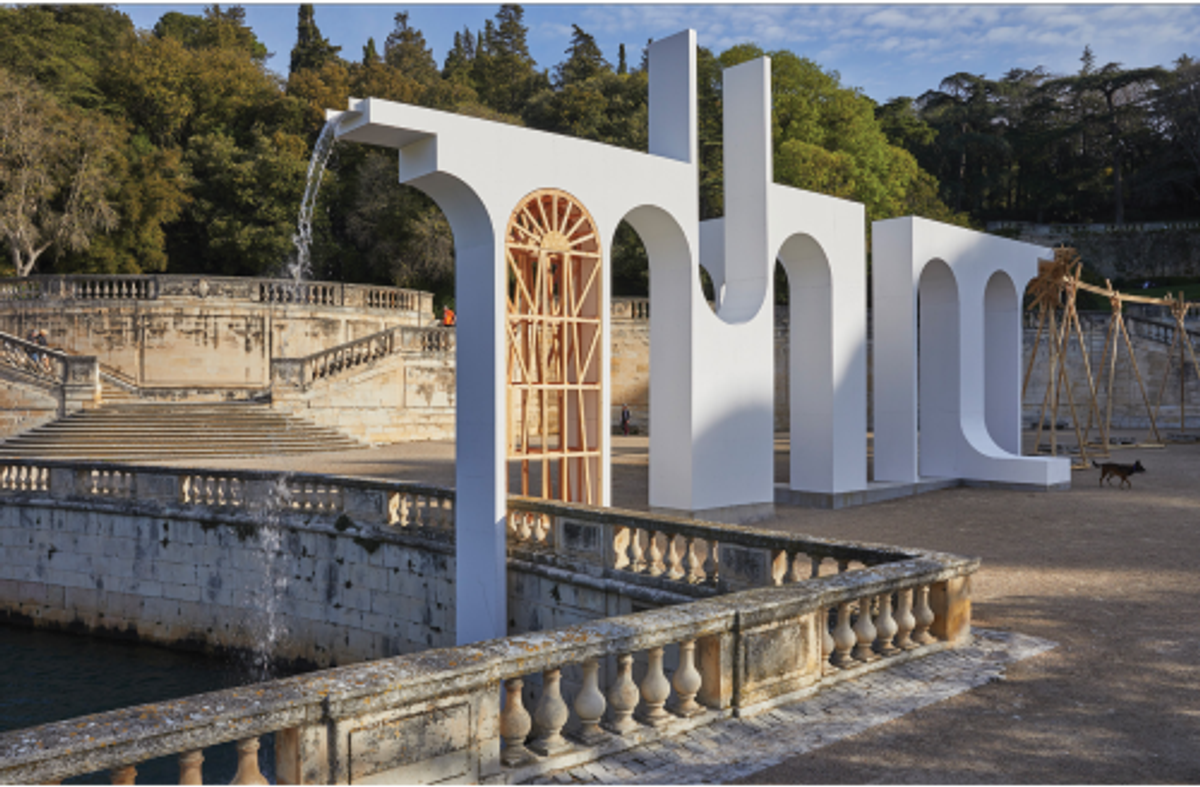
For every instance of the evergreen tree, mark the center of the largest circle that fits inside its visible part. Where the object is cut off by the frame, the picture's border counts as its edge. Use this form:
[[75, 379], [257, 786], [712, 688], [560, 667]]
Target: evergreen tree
[[312, 50], [622, 68], [370, 54], [406, 51], [585, 60]]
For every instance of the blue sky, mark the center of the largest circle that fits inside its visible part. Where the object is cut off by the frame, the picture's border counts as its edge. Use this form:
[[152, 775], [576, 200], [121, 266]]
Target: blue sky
[[885, 49]]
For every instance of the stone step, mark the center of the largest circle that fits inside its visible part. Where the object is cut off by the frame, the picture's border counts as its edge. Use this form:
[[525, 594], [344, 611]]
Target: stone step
[[165, 430]]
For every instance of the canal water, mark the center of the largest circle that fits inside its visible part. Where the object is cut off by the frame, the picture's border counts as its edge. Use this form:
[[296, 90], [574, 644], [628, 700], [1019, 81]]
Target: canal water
[[49, 676]]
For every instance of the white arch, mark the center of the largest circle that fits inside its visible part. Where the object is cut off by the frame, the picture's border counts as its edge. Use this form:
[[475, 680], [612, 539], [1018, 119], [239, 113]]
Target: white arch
[[1001, 389], [986, 354]]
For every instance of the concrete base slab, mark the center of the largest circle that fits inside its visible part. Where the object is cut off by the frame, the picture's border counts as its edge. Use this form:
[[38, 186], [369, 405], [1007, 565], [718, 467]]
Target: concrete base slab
[[879, 491], [729, 515]]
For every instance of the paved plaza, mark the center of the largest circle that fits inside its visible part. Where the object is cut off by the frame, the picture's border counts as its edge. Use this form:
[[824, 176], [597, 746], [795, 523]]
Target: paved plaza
[[1108, 575]]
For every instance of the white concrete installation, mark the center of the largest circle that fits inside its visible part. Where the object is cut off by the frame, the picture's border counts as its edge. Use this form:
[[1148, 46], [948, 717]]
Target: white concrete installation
[[958, 373], [711, 393]]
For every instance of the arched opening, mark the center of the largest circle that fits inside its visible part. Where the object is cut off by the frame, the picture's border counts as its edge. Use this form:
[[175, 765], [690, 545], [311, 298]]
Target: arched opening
[[1001, 362], [554, 358], [938, 371], [809, 387], [669, 370]]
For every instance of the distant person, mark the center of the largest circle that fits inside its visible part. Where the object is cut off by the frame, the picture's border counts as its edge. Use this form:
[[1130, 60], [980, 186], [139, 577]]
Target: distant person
[[625, 418], [41, 341], [447, 317]]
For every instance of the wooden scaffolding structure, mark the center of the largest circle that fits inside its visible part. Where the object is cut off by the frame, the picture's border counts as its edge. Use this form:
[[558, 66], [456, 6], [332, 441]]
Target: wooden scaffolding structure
[[554, 328], [1054, 296]]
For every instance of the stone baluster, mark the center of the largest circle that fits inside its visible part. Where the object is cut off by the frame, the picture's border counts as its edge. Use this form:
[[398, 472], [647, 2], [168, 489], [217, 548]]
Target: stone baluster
[[399, 509], [864, 629], [515, 724], [675, 569], [843, 638], [712, 569], [905, 621], [795, 573], [686, 681], [816, 561], [924, 617], [524, 528], [126, 774], [843, 566], [779, 568], [654, 555], [655, 689], [886, 626], [190, 763], [621, 537], [637, 561], [827, 643], [247, 768], [551, 716], [693, 571], [590, 705], [623, 697]]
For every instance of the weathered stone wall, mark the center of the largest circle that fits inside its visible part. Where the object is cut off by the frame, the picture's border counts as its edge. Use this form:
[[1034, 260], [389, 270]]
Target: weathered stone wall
[[189, 343], [1131, 251], [24, 404], [1154, 361], [630, 371], [334, 594], [397, 398]]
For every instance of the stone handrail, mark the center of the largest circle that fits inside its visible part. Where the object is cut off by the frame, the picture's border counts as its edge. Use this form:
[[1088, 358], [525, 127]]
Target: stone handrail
[[43, 363], [464, 713], [679, 552], [303, 372], [631, 308], [151, 287]]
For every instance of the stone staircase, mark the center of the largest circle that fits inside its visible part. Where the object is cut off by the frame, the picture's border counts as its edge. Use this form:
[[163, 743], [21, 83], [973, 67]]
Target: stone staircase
[[140, 432]]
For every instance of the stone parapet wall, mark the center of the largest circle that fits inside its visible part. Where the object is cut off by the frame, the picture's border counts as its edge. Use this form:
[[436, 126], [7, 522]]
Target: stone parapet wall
[[190, 332], [307, 569], [732, 636]]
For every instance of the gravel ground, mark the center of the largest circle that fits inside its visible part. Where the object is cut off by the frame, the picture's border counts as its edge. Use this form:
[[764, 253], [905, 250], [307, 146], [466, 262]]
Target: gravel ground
[[1110, 574]]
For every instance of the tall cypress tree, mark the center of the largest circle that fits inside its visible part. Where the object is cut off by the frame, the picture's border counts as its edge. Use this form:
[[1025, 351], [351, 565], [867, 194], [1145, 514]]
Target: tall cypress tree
[[312, 50]]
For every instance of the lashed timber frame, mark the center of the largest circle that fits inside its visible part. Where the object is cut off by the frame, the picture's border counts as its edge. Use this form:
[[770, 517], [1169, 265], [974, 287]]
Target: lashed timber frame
[[555, 297], [1056, 289]]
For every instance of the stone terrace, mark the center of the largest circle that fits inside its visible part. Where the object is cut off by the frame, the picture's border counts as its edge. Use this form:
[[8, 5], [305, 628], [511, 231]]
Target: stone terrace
[[1107, 574]]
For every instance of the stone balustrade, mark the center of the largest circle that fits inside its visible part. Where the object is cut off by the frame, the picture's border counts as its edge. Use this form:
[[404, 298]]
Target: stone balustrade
[[631, 308], [259, 290], [678, 553], [303, 372], [73, 379], [761, 618]]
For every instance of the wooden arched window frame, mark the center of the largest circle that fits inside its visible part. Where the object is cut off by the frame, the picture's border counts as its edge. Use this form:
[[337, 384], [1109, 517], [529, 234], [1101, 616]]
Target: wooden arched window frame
[[555, 296]]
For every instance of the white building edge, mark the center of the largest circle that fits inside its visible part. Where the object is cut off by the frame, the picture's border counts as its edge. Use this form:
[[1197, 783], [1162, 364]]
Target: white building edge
[[712, 373]]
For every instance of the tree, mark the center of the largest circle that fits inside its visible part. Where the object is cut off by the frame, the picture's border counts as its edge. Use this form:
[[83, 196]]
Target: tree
[[1177, 106], [221, 29], [585, 60], [1125, 97], [54, 166], [312, 50], [504, 70], [405, 51]]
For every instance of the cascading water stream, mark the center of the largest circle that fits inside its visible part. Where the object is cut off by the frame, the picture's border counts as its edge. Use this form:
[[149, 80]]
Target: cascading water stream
[[301, 266], [274, 583]]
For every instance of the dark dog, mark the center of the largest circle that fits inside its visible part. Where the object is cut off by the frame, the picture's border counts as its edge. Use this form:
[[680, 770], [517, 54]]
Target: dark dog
[[1110, 469]]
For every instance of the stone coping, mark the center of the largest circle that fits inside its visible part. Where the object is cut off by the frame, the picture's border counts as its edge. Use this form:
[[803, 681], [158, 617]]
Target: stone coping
[[109, 740]]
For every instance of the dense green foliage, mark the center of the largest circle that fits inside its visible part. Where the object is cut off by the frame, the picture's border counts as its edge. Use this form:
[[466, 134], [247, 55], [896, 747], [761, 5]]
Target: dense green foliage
[[201, 152], [1107, 144]]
